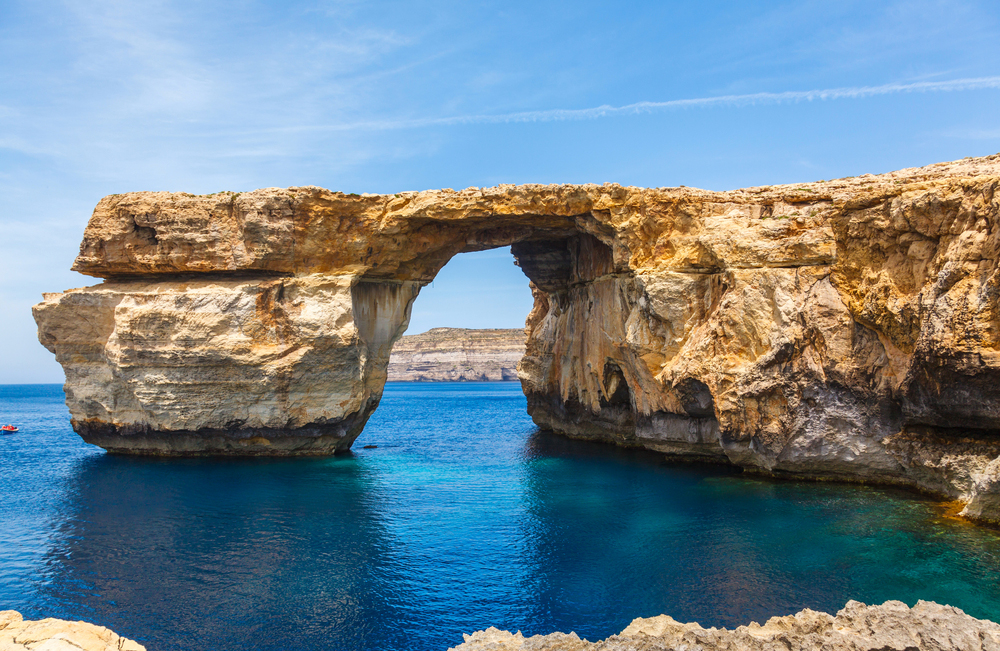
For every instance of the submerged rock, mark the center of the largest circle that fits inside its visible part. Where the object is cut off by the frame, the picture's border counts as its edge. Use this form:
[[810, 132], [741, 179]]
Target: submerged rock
[[890, 627], [17, 634], [845, 329]]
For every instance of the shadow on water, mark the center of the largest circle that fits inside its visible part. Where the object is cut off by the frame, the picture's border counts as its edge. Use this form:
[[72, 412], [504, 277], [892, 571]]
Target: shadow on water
[[205, 554]]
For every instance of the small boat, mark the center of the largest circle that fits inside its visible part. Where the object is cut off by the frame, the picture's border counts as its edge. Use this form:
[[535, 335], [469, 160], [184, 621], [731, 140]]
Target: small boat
[[8, 429]]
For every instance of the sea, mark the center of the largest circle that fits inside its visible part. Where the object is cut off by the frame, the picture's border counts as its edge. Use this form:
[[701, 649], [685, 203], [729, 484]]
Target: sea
[[464, 516]]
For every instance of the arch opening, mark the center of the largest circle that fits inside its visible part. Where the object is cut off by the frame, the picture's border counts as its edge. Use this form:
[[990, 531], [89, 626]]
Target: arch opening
[[467, 324], [578, 376]]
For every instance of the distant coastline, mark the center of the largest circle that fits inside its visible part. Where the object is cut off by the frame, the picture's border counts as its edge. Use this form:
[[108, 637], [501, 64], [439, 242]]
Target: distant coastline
[[457, 355]]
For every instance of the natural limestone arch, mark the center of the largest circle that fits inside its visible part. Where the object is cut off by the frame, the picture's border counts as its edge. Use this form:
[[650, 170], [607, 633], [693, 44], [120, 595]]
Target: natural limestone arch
[[262, 322], [810, 330]]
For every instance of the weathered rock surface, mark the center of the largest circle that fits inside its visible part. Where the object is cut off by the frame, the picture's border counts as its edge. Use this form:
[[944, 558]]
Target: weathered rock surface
[[275, 366], [889, 627], [49, 634], [842, 329], [457, 354]]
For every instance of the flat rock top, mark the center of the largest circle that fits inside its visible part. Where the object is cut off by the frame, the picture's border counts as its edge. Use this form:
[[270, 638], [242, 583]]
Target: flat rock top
[[485, 338], [410, 235]]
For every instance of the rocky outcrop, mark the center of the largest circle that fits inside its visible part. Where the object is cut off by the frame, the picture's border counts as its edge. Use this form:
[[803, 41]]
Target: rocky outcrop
[[843, 329], [889, 627], [228, 366], [49, 634], [457, 354]]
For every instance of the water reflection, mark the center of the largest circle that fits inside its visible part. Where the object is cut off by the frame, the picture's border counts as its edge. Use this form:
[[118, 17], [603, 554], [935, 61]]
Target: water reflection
[[239, 554], [622, 533], [465, 516], [618, 535]]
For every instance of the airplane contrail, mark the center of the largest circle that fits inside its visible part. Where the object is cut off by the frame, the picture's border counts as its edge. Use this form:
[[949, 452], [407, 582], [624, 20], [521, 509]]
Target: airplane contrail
[[553, 115]]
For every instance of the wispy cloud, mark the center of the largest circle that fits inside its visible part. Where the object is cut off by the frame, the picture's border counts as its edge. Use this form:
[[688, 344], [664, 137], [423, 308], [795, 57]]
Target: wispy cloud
[[751, 99], [974, 134]]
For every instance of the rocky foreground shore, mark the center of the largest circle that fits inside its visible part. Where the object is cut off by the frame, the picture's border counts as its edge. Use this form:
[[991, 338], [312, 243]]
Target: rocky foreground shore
[[18, 634], [890, 627]]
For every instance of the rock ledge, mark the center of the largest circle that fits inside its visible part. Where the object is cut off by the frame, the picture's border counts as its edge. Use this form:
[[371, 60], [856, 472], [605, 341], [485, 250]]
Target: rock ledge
[[18, 634], [890, 627]]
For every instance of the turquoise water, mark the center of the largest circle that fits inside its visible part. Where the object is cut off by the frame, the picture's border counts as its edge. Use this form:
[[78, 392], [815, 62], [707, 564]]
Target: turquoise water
[[465, 516]]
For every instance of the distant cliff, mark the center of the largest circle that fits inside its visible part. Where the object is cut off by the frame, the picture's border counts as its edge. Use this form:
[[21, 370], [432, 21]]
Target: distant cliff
[[457, 354]]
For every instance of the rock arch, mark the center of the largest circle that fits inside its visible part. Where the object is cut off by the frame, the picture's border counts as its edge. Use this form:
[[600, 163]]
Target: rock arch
[[262, 322], [808, 330]]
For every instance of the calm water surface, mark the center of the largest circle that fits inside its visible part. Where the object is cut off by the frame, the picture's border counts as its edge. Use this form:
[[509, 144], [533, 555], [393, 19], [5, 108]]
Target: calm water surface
[[465, 516]]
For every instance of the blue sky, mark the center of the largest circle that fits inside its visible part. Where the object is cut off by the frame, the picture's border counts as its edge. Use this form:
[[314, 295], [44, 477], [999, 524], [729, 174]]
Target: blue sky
[[105, 97]]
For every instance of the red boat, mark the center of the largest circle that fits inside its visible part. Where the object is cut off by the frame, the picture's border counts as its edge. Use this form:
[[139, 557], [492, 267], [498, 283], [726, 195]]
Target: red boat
[[8, 429]]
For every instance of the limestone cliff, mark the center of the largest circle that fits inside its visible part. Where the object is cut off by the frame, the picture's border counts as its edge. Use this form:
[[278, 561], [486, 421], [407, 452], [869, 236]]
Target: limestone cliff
[[457, 354], [889, 627], [846, 329]]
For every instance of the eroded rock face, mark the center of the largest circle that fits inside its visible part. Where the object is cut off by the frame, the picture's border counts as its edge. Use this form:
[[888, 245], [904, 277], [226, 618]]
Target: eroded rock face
[[889, 627], [17, 634], [278, 366], [846, 329]]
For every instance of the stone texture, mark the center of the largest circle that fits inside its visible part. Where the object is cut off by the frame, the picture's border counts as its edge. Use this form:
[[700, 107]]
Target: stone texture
[[49, 634], [276, 366], [457, 354], [889, 627], [845, 329]]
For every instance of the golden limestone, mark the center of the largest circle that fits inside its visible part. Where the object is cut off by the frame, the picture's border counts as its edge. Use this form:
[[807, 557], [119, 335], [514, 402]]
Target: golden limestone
[[844, 329]]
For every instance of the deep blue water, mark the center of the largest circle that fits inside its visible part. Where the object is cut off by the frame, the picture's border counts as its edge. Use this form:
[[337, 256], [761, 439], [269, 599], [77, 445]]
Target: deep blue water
[[465, 516]]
